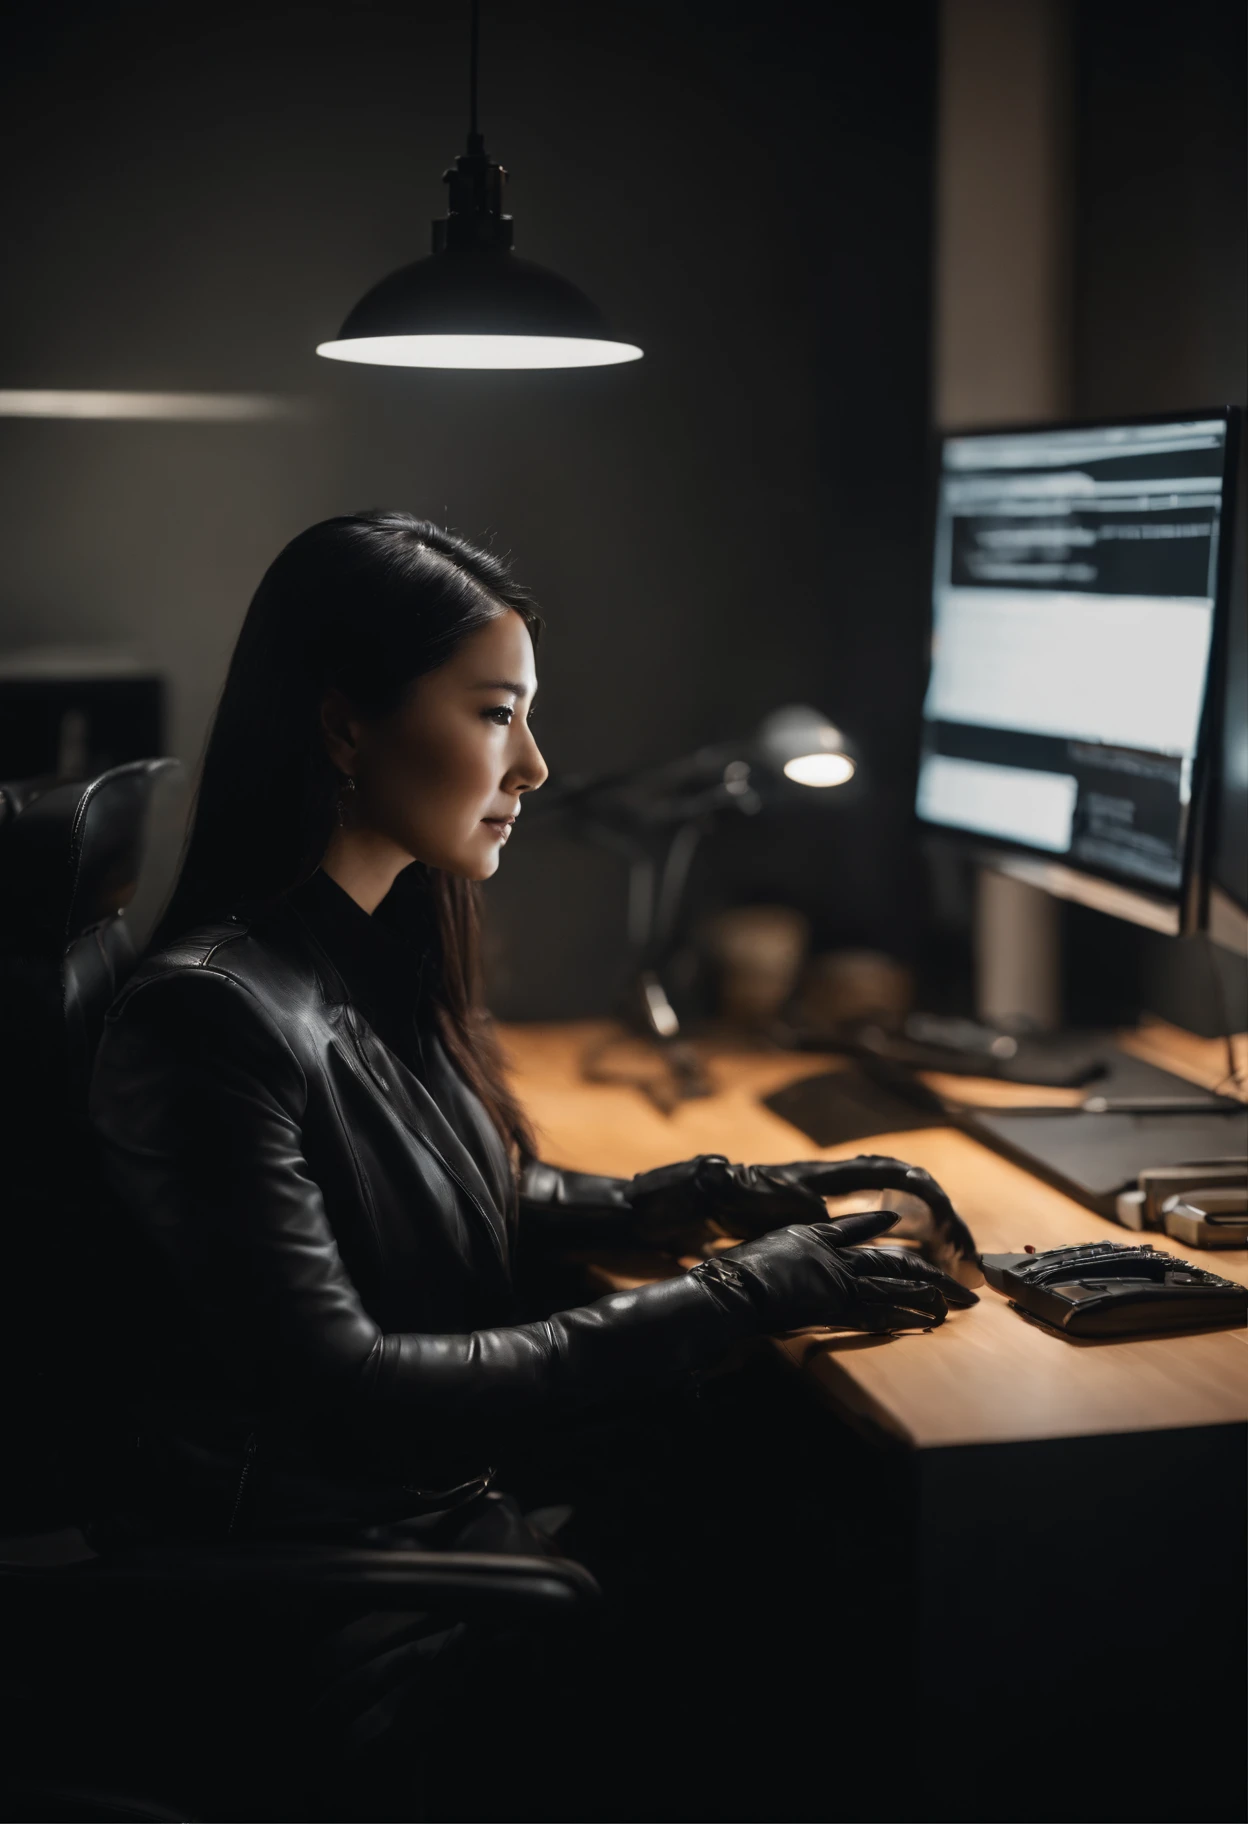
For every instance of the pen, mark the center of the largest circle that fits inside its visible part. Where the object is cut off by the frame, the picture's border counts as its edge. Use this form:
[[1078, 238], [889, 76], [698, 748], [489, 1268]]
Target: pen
[[1160, 1105]]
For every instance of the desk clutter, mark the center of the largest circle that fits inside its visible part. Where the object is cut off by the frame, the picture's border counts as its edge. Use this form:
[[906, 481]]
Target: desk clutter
[[1204, 1205], [1105, 1289], [1156, 1128], [1096, 1157], [1143, 1118]]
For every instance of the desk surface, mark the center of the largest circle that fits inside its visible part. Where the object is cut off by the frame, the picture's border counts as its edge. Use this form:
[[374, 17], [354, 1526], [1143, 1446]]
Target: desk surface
[[986, 1376]]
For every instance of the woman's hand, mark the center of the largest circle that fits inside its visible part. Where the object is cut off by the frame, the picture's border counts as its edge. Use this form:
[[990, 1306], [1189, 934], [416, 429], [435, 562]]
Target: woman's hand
[[679, 1205], [811, 1274]]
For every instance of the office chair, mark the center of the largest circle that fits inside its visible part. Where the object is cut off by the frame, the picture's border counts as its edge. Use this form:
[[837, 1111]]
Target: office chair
[[70, 854]]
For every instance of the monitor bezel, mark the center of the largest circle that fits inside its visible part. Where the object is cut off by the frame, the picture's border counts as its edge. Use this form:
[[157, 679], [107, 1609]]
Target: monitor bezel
[[1223, 914], [1186, 909]]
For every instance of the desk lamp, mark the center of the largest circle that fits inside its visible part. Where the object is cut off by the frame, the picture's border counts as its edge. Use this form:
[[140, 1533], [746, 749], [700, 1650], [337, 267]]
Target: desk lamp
[[655, 818]]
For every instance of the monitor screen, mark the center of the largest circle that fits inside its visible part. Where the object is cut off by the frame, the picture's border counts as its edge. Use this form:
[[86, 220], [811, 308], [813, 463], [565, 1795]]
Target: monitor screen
[[1073, 593]]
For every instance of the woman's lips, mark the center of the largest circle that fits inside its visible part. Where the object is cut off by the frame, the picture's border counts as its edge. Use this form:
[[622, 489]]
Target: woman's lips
[[500, 825]]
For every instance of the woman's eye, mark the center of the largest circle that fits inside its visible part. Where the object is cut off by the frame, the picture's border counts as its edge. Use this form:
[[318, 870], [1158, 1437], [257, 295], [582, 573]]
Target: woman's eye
[[502, 715]]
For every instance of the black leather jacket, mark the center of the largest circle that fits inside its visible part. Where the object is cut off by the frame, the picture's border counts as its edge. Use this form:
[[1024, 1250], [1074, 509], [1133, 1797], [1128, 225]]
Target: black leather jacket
[[329, 1336]]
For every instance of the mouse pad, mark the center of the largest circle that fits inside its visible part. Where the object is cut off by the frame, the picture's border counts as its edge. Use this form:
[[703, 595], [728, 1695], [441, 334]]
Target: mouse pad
[[842, 1105]]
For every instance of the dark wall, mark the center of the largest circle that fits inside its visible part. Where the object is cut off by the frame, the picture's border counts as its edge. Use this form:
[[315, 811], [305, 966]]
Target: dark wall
[[193, 197], [1161, 198], [1161, 323]]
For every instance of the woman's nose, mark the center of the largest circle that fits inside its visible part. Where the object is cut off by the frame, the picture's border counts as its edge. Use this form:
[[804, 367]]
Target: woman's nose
[[529, 770]]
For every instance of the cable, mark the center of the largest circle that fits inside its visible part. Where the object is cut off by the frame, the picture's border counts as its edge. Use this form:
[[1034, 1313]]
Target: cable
[[474, 55]]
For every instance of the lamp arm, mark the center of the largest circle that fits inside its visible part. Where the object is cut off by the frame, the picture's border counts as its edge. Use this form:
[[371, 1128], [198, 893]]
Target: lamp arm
[[641, 903], [672, 881], [641, 795]]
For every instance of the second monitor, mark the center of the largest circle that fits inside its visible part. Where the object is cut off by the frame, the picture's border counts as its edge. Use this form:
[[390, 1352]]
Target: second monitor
[[1075, 624]]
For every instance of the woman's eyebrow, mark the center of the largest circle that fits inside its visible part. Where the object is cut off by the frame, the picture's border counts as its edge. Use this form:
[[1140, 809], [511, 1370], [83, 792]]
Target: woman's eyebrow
[[517, 690]]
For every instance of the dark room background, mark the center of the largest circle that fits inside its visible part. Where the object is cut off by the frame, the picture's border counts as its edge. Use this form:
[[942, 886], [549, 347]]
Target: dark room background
[[1159, 322], [195, 195]]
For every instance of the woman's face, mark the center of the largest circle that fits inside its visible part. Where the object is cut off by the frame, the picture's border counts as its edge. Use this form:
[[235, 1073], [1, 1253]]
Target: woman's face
[[440, 779]]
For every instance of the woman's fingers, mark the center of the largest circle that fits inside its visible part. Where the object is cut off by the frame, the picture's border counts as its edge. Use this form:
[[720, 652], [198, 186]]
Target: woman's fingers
[[899, 1304], [843, 1232], [904, 1265], [875, 1171], [862, 1225]]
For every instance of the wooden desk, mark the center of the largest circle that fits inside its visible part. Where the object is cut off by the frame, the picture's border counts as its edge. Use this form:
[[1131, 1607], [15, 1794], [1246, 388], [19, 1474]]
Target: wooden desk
[[987, 1376], [1032, 1456]]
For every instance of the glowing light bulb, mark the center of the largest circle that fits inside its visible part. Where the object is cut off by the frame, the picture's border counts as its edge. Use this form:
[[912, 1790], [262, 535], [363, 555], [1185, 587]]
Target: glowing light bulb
[[480, 351], [819, 769]]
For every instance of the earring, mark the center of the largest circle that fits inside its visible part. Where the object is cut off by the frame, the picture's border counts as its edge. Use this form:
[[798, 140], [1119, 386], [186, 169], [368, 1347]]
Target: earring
[[348, 786]]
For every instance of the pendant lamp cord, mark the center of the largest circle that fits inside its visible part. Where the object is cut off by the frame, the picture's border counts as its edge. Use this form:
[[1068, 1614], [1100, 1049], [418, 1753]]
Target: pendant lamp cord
[[474, 52]]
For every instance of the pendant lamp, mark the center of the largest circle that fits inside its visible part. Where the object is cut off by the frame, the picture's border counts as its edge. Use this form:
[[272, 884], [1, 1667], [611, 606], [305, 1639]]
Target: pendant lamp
[[472, 302]]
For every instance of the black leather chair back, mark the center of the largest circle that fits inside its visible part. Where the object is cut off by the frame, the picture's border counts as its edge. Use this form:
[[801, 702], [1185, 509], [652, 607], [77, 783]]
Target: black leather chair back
[[70, 856]]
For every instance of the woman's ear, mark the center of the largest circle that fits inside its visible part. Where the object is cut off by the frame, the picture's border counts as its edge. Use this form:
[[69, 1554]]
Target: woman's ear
[[340, 731]]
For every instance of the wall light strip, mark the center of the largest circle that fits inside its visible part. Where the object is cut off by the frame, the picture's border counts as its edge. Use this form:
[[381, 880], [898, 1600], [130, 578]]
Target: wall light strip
[[178, 408]]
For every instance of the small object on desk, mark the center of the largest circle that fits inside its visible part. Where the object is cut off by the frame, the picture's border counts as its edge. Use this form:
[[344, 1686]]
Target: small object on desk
[[1064, 1060], [756, 953], [1210, 1216], [841, 990], [1142, 1208], [976, 1042], [1130, 1209], [1105, 1290]]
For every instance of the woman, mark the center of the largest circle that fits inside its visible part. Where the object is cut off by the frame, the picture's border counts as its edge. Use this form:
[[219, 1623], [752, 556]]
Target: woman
[[298, 1097]]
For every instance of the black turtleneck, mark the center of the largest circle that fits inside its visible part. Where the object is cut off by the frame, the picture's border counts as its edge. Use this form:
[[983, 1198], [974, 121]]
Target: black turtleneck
[[385, 973], [386, 964]]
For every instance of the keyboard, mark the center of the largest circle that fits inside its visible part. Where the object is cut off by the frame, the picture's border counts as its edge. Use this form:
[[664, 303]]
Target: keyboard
[[1105, 1289]]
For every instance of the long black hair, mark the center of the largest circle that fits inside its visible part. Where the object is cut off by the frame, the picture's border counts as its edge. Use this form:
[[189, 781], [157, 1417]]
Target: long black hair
[[366, 603]]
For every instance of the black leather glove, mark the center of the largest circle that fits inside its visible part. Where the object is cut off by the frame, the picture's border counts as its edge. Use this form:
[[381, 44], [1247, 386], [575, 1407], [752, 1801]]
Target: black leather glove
[[475, 1386], [677, 1205], [812, 1274], [576, 1209]]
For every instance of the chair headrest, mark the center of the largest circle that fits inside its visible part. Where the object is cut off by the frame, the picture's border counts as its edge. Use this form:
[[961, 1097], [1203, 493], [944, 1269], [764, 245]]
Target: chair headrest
[[70, 852]]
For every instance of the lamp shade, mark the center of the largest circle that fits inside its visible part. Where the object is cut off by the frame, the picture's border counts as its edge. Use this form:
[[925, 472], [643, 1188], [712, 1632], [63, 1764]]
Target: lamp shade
[[472, 303], [808, 749], [477, 306]]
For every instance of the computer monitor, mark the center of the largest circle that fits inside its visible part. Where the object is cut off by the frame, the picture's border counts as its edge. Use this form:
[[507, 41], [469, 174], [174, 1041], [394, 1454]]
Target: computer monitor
[[1078, 595]]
